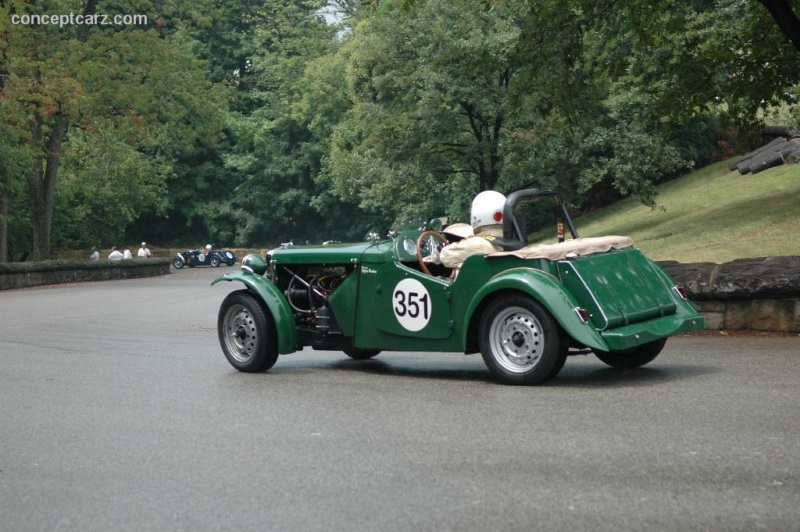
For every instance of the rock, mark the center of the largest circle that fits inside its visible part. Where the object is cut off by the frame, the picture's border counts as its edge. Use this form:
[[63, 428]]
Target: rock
[[758, 278], [695, 277]]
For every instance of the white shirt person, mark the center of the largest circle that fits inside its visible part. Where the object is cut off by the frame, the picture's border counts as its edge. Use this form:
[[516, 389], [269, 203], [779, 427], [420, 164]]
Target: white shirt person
[[144, 252], [115, 254]]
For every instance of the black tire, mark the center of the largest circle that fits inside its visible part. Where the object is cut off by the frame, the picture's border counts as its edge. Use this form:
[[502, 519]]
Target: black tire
[[632, 358], [178, 263], [361, 354], [215, 262], [247, 333], [520, 342], [561, 359]]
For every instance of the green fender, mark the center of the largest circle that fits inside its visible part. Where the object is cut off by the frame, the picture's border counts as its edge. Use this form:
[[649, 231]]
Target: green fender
[[276, 304], [548, 291]]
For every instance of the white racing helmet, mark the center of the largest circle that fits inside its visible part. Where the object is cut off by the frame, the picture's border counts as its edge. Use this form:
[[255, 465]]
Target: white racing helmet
[[487, 209]]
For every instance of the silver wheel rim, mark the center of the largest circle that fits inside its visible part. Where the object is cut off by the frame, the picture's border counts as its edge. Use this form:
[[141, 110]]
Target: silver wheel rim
[[240, 333], [516, 340]]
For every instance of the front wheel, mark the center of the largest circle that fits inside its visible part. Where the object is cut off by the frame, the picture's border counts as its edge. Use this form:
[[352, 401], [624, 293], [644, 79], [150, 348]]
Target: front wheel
[[247, 333], [178, 263], [520, 342], [632, 358]]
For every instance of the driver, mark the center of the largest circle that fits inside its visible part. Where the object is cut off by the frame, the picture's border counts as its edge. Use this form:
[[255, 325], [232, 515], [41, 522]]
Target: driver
[[487, 224], [457, 232]]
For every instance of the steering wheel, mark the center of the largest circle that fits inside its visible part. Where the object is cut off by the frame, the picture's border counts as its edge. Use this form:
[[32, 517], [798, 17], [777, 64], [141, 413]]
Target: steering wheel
[[428, 239]]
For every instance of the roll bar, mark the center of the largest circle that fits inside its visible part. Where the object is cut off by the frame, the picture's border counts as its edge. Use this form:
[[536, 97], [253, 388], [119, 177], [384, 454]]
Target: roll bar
[[512, 229]]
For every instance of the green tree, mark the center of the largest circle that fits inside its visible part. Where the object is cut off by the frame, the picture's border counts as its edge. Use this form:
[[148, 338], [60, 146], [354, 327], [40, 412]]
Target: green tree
[[132, 81], [320, 106], [431, 110], [596, 99], [105, 185], [689, 58], [15, 161], [276, 156], [785, 16], [200, 204]]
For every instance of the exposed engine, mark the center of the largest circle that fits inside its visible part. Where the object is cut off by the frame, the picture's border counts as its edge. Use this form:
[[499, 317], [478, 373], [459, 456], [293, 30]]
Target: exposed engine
[[307, 291]]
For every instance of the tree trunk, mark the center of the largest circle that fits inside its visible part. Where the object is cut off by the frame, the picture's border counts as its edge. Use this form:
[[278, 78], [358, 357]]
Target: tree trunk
[[43, 188], [774, 158], [486, 159], [785, 18], [4, 229], [758, 155], [45, 167]]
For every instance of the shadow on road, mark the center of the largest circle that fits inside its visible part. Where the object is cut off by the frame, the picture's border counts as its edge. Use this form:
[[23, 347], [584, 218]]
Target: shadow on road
[[455, 371], [591, 376], [572, 375]]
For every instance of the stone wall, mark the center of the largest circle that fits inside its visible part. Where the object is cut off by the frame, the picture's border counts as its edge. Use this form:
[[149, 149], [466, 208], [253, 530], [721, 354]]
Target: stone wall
[[24, 274], [771, 315], [760, 294]]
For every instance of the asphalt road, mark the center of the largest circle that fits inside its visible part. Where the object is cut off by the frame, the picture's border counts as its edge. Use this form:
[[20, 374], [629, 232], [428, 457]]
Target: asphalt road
[[119, 412]]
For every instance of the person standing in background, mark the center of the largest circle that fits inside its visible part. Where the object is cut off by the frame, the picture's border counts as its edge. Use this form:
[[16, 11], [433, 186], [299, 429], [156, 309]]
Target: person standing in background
[[115, 254], [144, 252]]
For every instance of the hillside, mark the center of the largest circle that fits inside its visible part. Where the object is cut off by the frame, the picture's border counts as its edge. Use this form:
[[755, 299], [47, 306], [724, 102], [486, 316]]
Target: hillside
[[711, 215]]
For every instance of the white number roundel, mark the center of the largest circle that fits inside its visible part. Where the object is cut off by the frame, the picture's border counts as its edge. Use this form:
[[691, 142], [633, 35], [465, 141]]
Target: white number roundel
[[411, 303]]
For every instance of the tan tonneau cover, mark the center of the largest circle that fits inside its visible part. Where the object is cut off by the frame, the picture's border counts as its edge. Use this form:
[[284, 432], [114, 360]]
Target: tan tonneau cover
[[579, 246]]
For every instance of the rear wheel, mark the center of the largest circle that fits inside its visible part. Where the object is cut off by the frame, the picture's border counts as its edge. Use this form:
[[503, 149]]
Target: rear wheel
[[247, 333], [561, 359], [215, 262], [520, 342], [632, 358], [361, 354]]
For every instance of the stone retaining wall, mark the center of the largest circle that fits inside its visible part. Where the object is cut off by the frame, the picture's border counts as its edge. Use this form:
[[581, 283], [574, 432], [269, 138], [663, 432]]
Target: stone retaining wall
[[759, 294], [24, 274], [771, 315]]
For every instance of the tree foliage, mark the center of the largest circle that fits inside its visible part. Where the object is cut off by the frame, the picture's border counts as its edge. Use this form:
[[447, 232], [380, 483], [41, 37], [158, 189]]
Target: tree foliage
[[91, 81], [266, 120], [431, 97], [597, 99]]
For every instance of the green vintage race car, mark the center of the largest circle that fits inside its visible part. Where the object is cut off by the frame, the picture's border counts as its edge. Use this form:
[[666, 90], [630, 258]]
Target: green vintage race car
[[525, 309]]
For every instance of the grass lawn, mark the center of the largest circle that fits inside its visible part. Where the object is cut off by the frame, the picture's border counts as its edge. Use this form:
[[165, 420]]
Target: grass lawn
[[712, 215]]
